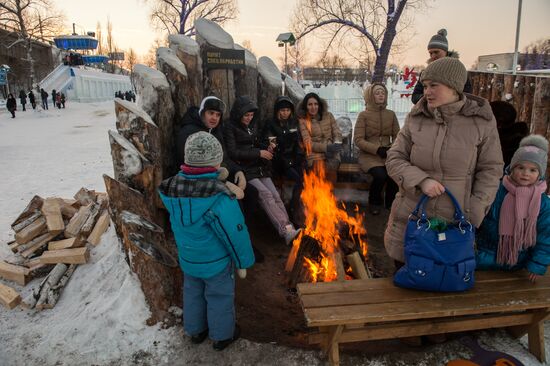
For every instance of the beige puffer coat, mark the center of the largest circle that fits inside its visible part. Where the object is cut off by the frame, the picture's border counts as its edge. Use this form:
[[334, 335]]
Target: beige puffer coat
[[457, 145], [319, 133], [376, 126]]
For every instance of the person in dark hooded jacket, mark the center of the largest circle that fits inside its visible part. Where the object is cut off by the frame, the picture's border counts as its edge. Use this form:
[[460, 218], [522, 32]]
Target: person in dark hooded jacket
[[253, 153], [11, 105], [510, 132], [23, 99], [32, 99], [208, 117], [288, 157]]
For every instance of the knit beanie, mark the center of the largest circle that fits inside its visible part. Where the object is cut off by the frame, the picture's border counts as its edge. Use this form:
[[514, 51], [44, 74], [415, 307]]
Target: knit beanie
[[446, 70], [203, 150], [439, 41], [213, 104], [533, 149]]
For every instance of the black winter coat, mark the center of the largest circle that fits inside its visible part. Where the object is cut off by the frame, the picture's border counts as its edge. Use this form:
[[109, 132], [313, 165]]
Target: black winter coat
[[418, 91], [288, 153], [245, 142], [31, 97], [510, 136], [23, 97], [191, 123], [11, 104]]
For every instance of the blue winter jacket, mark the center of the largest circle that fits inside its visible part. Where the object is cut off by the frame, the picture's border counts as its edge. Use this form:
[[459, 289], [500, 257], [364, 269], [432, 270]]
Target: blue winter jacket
[[209, 230], [535, 259]]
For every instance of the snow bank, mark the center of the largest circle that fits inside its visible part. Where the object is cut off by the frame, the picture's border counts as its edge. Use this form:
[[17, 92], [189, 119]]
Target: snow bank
[[187, 44], [135, 109], [168, 56], [212, 34]]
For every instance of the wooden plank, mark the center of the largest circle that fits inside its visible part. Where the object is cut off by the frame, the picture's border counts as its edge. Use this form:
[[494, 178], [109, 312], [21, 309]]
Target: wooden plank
[[333, 340], [52, 212], [64, 244], [9, 297], [536, 341], [423, 309], [78, 220], [425, 327], [67, 256], [396, 294], [12, 272], [26, 222], [100, 227], [31, 231], [349, 168], [378, 283], [85, 196], [34, 205], [37, 244]]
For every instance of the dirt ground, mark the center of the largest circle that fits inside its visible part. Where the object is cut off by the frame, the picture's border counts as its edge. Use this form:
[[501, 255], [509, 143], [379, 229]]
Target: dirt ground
[[269, 312]]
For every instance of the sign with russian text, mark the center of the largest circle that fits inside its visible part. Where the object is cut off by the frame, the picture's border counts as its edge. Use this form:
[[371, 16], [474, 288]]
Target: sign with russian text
[[224, 59]]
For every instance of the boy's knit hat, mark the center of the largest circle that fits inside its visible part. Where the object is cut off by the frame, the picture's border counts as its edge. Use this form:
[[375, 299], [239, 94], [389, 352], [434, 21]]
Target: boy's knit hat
[[446, 70], [533, 149], [203, 150], [212, 103], [439, 41]]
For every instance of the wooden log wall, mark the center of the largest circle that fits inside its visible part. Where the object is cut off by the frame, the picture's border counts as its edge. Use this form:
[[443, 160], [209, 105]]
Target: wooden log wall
[[530, 96], [142, 148]]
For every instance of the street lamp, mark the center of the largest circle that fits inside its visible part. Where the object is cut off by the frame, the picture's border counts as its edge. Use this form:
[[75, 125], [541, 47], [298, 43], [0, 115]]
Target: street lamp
[[283, 39]]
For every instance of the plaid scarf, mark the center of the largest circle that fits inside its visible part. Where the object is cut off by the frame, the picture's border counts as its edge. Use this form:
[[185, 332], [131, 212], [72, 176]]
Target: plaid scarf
[[180, 186]]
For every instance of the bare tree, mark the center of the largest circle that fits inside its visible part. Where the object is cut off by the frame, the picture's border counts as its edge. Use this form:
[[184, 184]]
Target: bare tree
[[99, 37], [151, 58], [375, 20], [178, 16], [30, 20]]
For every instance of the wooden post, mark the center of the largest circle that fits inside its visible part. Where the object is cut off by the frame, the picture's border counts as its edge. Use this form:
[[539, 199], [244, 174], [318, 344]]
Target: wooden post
[[177, 77], [246, 81], [188, 51], [540, 121]]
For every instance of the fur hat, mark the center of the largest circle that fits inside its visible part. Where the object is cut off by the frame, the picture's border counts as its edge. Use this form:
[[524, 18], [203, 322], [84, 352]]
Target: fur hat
[[203, 150], [446, 70], [439, 41], [533, 149], [212, 103]]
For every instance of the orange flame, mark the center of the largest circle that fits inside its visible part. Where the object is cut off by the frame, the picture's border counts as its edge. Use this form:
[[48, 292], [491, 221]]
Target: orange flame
[[323, 220]]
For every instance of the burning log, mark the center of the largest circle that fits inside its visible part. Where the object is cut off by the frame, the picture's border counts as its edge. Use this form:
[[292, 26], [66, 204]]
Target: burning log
[[360, 270], [308, 247]]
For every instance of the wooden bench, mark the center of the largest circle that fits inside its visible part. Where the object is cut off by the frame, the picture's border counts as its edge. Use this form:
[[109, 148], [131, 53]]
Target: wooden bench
[[374, 309]]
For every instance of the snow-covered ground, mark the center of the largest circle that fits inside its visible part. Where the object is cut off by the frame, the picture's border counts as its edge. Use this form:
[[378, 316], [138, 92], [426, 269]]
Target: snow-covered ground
[[100, 317]]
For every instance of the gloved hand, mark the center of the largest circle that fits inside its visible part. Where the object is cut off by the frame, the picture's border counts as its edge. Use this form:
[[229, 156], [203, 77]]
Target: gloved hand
[[333, 149], [241, 273], [382, 152], [240, 180], [223, 173], [235, 189]]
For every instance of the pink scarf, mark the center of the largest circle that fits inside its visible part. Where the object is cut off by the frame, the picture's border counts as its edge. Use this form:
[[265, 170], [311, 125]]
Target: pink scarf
[[194, 170], [517, 227]]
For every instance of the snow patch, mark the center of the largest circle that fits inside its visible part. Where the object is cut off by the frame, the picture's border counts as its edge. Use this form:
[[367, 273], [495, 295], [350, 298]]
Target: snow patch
[[133, 108], [184, 43], [249, 58], [270, 72], [211, 33], [168, 56], [131, 157]]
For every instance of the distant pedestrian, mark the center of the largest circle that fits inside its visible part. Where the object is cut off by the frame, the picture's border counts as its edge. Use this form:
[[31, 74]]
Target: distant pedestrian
[[58, 100], [133, 95], [44, 98], [23, 99], [127, 96], [54, 95], [32, 99], [63, 100], [11, 105]]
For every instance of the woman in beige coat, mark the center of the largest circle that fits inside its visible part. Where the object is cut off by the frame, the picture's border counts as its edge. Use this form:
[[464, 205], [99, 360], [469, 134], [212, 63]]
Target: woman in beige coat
[[321, 135], [375, 130], [449, 139]]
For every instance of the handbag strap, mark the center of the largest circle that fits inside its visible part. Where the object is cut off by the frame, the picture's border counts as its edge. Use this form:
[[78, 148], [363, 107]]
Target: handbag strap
[[421, 207]]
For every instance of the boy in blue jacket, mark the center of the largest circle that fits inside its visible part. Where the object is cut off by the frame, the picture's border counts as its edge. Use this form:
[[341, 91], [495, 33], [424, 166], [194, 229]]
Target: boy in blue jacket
[[212, 241], [515, 234]]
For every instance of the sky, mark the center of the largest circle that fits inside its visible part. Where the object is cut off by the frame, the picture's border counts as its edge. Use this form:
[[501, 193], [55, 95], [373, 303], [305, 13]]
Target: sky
[[475, 27]]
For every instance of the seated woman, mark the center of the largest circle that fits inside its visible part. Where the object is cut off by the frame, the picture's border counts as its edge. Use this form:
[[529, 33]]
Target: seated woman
[[253, 154], [288, 157], [321, 136], [375, 131]]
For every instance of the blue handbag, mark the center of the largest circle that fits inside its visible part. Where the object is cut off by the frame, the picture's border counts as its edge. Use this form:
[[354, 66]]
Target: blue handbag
[[437, 261]]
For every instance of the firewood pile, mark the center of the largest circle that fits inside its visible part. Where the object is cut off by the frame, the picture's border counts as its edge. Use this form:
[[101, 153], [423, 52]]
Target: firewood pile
[[52, 237]]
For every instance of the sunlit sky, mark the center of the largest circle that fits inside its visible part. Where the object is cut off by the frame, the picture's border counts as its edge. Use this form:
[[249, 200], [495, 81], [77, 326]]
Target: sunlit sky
[[475, 27]]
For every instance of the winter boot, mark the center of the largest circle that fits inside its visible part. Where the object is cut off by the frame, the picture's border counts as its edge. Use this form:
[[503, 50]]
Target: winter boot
[[199, 338], [221, 345], [290, 234]]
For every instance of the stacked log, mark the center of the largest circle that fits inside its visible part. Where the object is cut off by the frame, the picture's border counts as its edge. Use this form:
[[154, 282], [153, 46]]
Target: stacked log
[[53, 231]]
